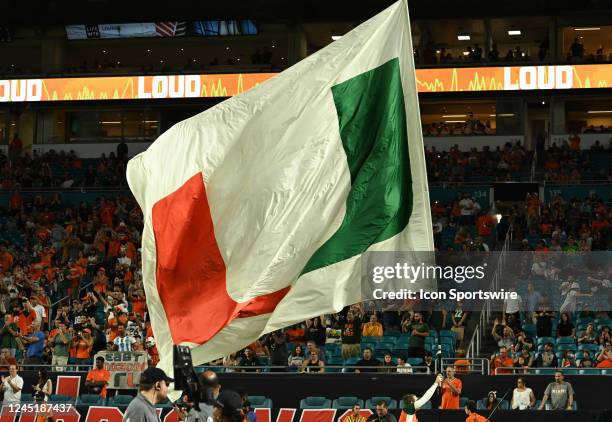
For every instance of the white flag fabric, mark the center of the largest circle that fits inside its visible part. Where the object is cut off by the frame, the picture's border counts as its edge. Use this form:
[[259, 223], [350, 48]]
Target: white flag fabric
[[257, 211]]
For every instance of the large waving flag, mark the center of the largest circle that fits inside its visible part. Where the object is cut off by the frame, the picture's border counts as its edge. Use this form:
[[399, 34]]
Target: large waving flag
[[258, 210]]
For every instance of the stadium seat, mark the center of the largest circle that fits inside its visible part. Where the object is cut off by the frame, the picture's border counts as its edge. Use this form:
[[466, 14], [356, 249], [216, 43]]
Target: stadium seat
[[386, 345], [544, 340], [590, 347], [315, 402], [388, 338], [393, 333], [27, 398], [370, 344], [347, 402], [463, 401], [120, 400], [567, 346], [566, 340], [88, 399], [351, 361], [372, 401], [260, 402], [447, 333], [414, 361], [60, 398]]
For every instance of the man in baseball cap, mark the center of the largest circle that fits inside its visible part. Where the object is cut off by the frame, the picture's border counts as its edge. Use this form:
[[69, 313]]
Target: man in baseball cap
[[228, 407], [153, 389]]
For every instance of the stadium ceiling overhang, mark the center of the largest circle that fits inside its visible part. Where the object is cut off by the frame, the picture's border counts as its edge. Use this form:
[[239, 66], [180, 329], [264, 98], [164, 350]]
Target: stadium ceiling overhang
[[439, 80]]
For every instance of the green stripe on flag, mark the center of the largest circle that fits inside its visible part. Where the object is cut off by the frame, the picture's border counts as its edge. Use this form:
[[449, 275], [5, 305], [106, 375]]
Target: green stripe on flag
[[372, 119]]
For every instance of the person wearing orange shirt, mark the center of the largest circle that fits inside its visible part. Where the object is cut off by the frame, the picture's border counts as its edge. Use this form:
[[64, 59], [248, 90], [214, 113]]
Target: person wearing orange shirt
[[6, 259], [472, 416], [485, 224], [372, 328], [501, 360], [451, 390], [97, 379]]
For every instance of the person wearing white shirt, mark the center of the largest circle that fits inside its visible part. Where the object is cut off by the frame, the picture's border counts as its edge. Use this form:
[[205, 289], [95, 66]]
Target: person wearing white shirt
[[12, 385], [522, 397], [123, 342], [512, 306], [403, 367]]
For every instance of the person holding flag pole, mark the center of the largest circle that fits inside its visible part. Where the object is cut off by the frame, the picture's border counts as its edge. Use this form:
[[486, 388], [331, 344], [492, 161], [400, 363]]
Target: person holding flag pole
[[410, 402]]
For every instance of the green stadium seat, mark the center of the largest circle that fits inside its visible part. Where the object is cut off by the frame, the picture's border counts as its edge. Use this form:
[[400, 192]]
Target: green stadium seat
[[260, 402], [27, 398], [88, 399], [373, 401], [347, 402], [120, 400], [315, 402], [60, 398], [544, 340]]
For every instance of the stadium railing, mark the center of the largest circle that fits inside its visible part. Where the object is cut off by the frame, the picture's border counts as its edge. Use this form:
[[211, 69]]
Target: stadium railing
[[551, 371], [474, 366], [473, 349]]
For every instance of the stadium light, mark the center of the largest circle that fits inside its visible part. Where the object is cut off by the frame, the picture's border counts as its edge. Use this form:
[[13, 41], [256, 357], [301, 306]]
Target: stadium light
[[454, 115], [514, 32], [587, 29], [599, 111], [336, 37], [463, 37], [454, 121], [502, 115], [498, 217]]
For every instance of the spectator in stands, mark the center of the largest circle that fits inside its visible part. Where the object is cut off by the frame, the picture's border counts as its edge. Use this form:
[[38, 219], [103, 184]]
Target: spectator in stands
[[368, 360], [547, 358], [532, 299], [522, 396], [351, 335], [403, 367], [605, 336], [523, 342], [565, 328], [512, 306], [560, 393], [97, 379], [12, 385], [315, 331], [585, 361], [451, 390], [276, 342], [43, 387], [604, 358], [459, 319], [589, 336], [10, 335], [501, 360], [123, 342], [568, 360], [15, 149], [491, 401], [524, 360], [387, 365], [296, 358], [355, 415], [543, 320], [419, 330], [372, 328], [382, 413], [6, 360], [249, 359], [61, 342], [470, 411], [36, 344], [429, 363], [507, 338], [313, 363]]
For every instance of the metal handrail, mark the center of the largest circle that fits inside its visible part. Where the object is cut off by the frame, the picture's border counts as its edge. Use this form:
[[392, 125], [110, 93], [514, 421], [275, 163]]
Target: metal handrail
[[481, 365], [511, 370]]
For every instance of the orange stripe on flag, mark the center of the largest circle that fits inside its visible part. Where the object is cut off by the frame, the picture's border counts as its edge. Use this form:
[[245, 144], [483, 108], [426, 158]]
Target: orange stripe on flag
[[191, 274]]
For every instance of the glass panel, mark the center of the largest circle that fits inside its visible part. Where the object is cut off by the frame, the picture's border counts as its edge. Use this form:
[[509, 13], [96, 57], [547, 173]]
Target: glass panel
[[458, 119], [111, 125]]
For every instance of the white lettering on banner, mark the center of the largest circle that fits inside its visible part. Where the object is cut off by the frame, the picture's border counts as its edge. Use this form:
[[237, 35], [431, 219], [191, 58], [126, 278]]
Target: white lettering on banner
[[18, 90], [177, 90], [192, 86], [141, 88], [159, 87], [170, 87], [527, 77], [539, 77]]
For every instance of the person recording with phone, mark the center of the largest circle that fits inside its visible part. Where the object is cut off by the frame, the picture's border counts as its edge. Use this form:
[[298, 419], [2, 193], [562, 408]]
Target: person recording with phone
[[451, 390]]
